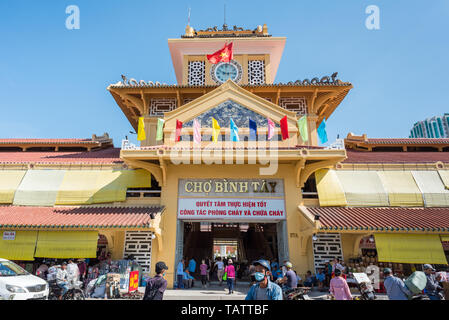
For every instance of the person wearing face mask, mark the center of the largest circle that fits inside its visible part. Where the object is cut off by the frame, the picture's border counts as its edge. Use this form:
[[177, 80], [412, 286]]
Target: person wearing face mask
[[264, 289], [156, 286]]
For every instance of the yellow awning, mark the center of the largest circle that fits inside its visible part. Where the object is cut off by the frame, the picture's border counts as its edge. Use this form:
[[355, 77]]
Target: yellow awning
[[445, 238], [363, 188], [432, 188], [444, 175], [402, 189], [20, 248], [330, 191], [100, 186], [39, 188], [410, 248], [67, 244], [9, 182]]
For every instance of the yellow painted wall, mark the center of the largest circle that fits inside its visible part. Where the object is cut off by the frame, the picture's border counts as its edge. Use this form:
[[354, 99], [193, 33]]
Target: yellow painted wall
[[169, 200]]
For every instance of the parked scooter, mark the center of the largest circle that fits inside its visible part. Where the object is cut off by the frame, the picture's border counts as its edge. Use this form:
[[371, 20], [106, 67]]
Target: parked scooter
[[74, 293]]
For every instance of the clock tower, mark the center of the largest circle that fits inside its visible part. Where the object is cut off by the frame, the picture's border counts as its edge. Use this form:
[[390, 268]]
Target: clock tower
[[256, 56]]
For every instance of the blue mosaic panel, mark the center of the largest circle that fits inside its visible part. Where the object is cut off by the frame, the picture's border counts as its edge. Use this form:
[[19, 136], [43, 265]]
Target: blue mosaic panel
[[227, 110]]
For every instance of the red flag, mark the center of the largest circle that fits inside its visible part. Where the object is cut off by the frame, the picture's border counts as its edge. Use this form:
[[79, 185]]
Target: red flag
[[284, 128], [178, 130], [223, 55]]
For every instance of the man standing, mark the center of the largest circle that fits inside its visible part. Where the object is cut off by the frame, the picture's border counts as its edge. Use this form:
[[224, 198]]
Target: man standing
[[396, 289], [180, 274], [264, 289], [192, 267], [290, 280], [156, 286], [220, 270], [432, 286], [72, 270], [62, 279]]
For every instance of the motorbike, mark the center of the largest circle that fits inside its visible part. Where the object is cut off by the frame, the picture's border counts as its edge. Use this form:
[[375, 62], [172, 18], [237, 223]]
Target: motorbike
[[75, 291], [300, 293]]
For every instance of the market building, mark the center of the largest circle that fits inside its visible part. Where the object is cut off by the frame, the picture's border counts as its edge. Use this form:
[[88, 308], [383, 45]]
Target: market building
[[280, 198]]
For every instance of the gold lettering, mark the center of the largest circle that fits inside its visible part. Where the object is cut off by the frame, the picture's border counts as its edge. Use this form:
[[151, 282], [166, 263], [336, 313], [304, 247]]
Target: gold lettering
[[243, 187], [255, 185], [264, 187], [218, 187], [207, 186], [226, 186], [198, 187], [233, 187], [186, 188], [273, 186]]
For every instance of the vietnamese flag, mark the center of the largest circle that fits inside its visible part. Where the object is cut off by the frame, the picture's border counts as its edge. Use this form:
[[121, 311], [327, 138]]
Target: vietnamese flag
[[284, 128], [178, 130], [223, 55]]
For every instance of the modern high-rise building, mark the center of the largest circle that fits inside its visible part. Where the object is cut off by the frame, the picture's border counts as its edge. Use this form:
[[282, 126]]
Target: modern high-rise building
[[435, 127]]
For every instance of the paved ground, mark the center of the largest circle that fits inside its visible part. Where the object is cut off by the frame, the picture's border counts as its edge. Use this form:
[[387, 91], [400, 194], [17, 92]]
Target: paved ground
[[215, 292]]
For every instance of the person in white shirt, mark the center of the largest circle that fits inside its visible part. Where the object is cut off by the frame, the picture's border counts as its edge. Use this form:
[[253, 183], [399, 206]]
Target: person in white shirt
[[52, 271], [337, 265], [73, 270]]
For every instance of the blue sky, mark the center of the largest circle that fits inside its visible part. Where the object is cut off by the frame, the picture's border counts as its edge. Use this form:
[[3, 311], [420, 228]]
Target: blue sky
[[53, 80]]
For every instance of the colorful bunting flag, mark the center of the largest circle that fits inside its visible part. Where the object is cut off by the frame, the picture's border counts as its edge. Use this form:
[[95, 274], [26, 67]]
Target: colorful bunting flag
[[270, 129], [178, 130], [252, 130], [141, 135], [302, 126], [215, 130], [160, 129], [234, 132], [284, 128], [322, 132], [196, 131]]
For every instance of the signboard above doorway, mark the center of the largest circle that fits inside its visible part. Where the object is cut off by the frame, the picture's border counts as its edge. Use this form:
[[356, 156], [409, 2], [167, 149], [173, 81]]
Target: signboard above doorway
[[250, 200]]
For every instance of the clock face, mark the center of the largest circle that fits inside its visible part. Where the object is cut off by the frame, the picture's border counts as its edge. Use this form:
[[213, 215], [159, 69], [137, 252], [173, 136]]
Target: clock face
[[224, 71]]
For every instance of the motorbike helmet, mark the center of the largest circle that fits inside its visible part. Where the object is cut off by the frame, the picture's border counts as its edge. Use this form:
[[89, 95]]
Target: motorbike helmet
[[263, 263]]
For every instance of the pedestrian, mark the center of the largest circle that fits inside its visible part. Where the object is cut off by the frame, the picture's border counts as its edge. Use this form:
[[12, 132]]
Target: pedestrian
[[263, 289], [156, 286], [230, 276], [339, 287], [328, 273], [42, 271], [72, 270], [220, 270], [284, 268], [208, 263], [82, 268], [180, 274], [396, 289], [290, 280], [192, 267], [52, 271], [203, 270], [432, 287]]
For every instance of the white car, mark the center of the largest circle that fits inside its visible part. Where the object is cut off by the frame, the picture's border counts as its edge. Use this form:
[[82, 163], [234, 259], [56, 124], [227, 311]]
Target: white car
[[18, 284]]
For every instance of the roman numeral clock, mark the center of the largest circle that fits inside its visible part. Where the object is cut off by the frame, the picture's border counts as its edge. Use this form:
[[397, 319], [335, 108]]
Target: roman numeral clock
[[224, 71]]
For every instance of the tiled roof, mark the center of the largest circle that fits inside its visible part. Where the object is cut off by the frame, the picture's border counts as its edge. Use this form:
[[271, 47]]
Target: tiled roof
[[82, 217], [383, 219], [48, 141], [143, 84], [419, 141], [396, 157], [104, 156], [180, 147]]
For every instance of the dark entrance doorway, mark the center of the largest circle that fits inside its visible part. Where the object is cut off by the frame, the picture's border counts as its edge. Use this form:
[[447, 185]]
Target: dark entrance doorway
[[243, 242]]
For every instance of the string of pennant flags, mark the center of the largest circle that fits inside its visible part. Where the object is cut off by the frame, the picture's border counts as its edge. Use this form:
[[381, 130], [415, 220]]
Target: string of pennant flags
[[234, 130]]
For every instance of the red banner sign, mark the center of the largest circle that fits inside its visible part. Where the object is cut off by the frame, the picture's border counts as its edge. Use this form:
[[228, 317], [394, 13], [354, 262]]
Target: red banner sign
[[133, 281]]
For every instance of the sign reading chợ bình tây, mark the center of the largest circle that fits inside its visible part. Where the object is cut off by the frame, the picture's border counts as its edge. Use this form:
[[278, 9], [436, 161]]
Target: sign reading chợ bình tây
[[243, 200]]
